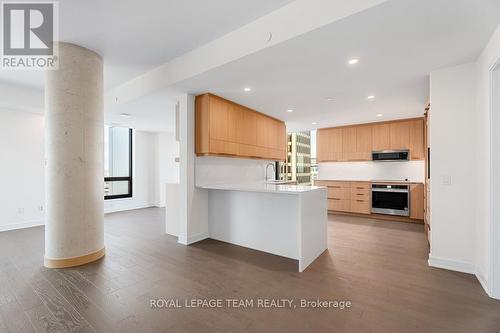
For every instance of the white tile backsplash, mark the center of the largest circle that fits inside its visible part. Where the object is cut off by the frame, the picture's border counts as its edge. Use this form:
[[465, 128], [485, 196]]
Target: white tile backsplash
[[222, 170], [413, 170]]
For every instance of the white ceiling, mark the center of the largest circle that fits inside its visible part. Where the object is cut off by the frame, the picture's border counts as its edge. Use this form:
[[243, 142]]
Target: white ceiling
[[398, 43], [137, 36], [153, 113]]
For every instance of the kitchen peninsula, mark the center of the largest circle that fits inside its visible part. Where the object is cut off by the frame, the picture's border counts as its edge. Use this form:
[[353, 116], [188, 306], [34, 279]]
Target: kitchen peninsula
[[285, 220], [234, 146]]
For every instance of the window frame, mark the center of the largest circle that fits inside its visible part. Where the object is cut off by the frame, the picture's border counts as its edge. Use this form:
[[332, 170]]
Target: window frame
[[128, 178]]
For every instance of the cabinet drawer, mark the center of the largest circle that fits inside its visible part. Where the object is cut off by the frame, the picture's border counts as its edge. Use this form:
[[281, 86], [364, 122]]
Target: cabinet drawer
[[339, 193], [361, 206], [361, 195], [340, 205], [361, 186]]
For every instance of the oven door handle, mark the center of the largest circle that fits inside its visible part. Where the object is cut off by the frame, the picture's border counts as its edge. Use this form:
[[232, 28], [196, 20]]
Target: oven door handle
[[389, 190]]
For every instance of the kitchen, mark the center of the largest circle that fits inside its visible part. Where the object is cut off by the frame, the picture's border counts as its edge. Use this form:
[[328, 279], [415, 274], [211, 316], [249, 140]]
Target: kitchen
[[238, 151], [375, 170]]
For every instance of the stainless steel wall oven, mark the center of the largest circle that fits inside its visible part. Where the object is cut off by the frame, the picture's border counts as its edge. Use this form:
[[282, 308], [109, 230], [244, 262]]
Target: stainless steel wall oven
[[391, 199]]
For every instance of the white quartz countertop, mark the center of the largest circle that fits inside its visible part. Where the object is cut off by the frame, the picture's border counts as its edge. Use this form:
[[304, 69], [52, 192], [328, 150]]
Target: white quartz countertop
[[263, 187]]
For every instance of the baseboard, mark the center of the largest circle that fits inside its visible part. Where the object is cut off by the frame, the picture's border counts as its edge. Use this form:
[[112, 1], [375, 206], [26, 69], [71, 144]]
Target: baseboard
[[192, 239], [483, 281], [452, 265], [123, 209], [22, 225]]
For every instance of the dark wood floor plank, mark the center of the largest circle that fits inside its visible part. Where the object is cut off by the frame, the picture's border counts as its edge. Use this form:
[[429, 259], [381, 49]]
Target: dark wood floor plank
[[92, 313], [14, 318], [44, 321], [381, 267], [62, 310]]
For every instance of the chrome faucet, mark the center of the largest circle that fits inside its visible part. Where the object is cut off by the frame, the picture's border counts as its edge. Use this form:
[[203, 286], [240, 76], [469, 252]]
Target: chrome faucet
[[274, 169]]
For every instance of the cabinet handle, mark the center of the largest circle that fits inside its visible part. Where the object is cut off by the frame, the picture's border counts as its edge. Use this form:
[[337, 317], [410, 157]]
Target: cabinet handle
[[359, 194], [360, 188], [335, 186], [336, 199], [360, 200]]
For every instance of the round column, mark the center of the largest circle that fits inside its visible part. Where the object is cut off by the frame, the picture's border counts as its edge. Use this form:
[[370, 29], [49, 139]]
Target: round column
[[74, 176]]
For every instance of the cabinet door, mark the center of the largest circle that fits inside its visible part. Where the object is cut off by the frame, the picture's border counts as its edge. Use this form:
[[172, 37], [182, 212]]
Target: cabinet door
[[282, 138], [275, 132], [322, 145], [417, 149], [218, 119], [335, 140], [364, 143], [400, 135], [234, 122], [348, 143], [263, 131], [248, 130], [223, 147], [381, 137], [417, 201]]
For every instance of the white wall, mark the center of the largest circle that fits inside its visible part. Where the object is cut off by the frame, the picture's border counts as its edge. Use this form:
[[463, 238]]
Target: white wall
[[21, 170], [452, 121], [193, 202], [485, 63], [167, 149], [411, 170], [220, 170]]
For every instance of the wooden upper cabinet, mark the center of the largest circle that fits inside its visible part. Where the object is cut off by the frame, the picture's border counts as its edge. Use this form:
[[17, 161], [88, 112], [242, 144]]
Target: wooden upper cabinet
[[218, 120], [322, 146], [348, 143], [329, 146], [247, 134], [226, 128], [381, 138], [335, 142], [356, 142], [363, 143], [234, 122], [417, 142], [400, 135]]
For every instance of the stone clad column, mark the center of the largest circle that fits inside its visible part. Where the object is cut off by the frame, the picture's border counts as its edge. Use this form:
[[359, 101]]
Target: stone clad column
[[74, 176]]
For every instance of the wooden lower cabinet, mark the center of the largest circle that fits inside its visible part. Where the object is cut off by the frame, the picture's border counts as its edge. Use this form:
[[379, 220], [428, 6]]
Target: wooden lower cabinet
[[339, 205], [348, 197], [355, 197], [417, 201], [361, 206]]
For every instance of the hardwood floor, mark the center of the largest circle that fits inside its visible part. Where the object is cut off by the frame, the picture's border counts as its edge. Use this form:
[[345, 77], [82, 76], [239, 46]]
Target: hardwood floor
[[379, 266]]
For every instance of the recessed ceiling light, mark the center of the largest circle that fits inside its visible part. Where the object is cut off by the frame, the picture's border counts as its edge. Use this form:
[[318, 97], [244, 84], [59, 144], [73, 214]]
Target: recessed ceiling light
[[314, 123], [125, 115], [353, 61], [289, 110], [330, 99], [379, 115], [247, 89], [370, 97]]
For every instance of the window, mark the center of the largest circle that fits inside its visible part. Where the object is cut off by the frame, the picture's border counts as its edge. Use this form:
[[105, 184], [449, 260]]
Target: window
[[117, 162]]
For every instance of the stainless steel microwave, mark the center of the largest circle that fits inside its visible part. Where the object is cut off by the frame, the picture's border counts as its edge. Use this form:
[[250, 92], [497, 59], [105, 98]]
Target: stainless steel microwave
[[390, 155]]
